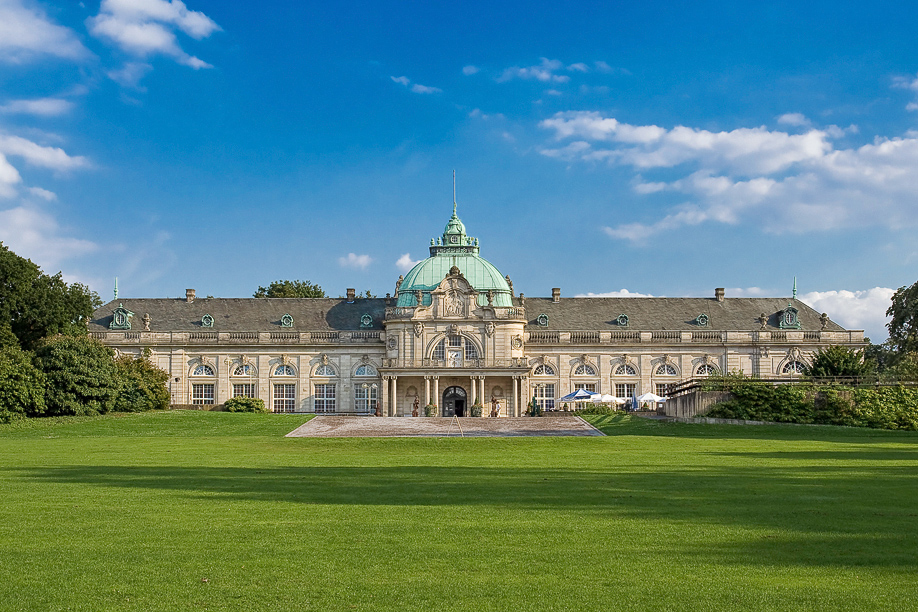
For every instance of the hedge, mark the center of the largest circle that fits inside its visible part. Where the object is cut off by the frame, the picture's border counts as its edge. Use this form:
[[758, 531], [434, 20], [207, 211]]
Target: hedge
[[894, 407]]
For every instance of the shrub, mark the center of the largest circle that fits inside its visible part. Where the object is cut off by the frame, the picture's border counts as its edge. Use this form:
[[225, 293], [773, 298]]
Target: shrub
[[477, 409], [430, 410], [22, 386], [143, 385], [245, 404], [80, 374]]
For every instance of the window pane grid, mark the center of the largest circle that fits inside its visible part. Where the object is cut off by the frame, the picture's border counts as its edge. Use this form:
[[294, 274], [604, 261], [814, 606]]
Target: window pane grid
[[284, 398], [202, 394], [244, 390], [325, 398], [625, 389], [544, 395]]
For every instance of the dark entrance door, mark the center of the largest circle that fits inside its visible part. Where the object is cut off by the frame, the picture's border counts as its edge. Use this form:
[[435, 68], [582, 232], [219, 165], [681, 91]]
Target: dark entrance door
[[454, 399]]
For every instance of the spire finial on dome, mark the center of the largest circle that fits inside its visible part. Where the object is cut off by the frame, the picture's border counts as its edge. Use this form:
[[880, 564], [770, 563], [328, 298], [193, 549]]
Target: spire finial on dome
[[454, 193]]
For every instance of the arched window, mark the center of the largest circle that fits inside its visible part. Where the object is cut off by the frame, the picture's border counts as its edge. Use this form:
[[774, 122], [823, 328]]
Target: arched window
[[244, 370], [705, 369], [794, 367], [625, 370], [471, 351], [203, 370], [666, 370], [543, 369], [284, 370], [366, 370], [325, 370], [458, 348], [584, 370]]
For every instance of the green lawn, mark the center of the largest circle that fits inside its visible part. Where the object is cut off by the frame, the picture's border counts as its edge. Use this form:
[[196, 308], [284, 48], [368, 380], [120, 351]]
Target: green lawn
[[216, 511]]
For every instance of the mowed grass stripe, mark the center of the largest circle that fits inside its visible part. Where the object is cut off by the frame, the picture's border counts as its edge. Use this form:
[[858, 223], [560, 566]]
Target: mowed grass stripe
[[194, 511]]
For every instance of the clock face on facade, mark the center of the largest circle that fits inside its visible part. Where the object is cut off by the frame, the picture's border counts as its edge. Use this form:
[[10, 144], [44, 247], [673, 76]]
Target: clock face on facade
[[454, 239]]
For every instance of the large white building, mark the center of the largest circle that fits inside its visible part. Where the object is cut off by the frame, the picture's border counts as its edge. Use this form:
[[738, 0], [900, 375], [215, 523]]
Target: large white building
[[455, 333]]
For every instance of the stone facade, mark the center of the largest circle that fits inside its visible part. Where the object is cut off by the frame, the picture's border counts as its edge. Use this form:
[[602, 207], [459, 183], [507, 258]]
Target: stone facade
[[455, 334]]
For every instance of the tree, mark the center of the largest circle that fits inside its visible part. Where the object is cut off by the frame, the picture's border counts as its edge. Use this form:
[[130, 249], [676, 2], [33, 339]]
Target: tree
[[22, 386], [142, 385], [837, 360], [81, 375], [290, 289], [903, 326], [37, 305]]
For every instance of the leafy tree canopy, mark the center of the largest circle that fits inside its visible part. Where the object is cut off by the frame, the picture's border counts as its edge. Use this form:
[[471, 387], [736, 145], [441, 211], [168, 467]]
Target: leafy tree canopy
[[903, 326], [81, 375], [22, 385], [36, 305], [290, 289], [143, 385], [837, 360]]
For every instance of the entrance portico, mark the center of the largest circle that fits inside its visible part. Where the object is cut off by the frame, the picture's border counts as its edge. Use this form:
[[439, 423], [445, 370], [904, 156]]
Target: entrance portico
[[445, 386]]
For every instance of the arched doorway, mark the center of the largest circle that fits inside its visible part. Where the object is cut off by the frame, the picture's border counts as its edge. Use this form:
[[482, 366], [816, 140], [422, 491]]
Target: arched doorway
[[454, 400]]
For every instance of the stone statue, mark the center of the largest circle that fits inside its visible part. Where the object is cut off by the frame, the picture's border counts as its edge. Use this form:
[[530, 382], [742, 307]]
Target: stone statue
[[489, 328], [763, 320], [509, 284], [418, 329], [490, 297], [824, 319], [419, 297], [414, 410], [147, 318], [398, 283]]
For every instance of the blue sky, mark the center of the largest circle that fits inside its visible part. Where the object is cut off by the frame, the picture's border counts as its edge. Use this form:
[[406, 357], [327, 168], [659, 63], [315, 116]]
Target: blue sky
[[607, 148]]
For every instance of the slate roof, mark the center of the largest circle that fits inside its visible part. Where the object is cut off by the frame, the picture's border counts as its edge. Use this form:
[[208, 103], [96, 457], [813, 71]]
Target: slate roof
[[651, 314], [245, 314], [570, 314]]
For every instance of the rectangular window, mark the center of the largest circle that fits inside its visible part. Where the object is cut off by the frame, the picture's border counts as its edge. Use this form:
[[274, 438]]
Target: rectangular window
[[625, 389], [545, 396], [325, 398], [591, 387], [662, 389], [245, 390], [365, 398], [284, 398], [202, 394]]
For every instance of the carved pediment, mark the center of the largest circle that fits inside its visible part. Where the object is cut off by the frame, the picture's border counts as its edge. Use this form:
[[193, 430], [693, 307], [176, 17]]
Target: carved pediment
[[454, 298]]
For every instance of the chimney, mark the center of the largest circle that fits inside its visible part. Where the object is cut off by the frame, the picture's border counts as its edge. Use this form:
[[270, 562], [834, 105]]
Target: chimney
[[189, 295], [556, 294], [719, 294], [350, 294]]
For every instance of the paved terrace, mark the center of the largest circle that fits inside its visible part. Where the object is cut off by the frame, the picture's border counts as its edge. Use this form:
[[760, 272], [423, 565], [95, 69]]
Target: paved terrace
[[408, 427]]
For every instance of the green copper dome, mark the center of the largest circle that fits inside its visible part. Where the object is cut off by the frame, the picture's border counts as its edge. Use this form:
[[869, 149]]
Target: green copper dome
[[454, 248]]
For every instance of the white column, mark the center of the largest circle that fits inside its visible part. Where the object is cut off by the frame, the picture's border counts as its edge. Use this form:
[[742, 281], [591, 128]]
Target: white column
[[426, 390], [483, 395], [394, 396], [384, 406], [436, 381]]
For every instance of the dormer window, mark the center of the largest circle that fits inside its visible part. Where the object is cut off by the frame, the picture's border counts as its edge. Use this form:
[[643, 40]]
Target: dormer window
[[542, 320], [121, 318], [789, 318], [286, 321], [622, 320], [701, 320], [207, 321]]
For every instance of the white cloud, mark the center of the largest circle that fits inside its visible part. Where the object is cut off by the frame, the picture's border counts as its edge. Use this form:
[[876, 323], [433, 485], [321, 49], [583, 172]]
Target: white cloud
[[795, 119], [747, 292], [802, 180], [36, 235], [26, 33], [44, 194], [417, 87], [405, 262], [130, 74], [353, 260], [855, 309], [147, 27], [544, 72], [424, 89], [45, 107], [621, 293], [579, 67], [476, 112], [9, 178], [469, 70], [37, 155]]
